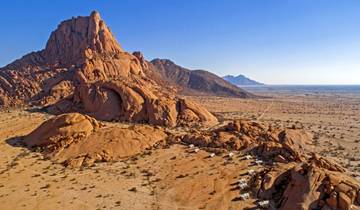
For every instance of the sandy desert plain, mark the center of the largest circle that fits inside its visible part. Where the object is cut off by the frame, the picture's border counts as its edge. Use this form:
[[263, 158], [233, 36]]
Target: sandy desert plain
[[103, 128], [172, 176], [332, 117]]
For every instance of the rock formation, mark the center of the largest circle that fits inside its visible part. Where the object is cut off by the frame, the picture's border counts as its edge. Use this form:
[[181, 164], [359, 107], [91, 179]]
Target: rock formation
[[295, 177], [84, 69], [258, 138], [62, 130], [307, 186], [195, 82], [79, 140]]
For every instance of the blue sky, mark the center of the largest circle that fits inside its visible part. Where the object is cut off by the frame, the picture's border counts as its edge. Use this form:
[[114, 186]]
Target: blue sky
[[272, 41]]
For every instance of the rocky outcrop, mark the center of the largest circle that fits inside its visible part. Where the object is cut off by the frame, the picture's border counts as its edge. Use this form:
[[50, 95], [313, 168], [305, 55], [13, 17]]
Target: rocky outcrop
[[119, 101], [62, 130], [290, 176], [84, 69], [78, 140], [307, 186], [111, 143], [258, 138], [81, 44], [293, 177]]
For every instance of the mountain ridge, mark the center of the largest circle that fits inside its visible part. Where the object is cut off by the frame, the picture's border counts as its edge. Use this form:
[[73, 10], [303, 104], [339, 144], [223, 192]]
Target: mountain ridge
[[241, 80], [195, 82]]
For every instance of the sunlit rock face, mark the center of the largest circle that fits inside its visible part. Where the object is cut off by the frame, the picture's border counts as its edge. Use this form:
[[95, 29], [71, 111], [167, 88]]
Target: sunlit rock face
[[84, 69]]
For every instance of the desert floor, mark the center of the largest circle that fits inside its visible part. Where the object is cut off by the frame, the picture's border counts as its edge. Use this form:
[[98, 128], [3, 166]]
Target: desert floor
[[332, 118], [173, 177]]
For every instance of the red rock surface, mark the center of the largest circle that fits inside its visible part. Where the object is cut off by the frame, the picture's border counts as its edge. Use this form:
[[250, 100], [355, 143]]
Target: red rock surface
[[258, 138], [291, 176], [295, 177], [84, 69], [77, 140], [62, 130], [307, 186]]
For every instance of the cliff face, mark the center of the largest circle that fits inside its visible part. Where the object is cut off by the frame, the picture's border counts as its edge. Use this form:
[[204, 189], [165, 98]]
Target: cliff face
[[82, 45], [84, 69], [77, 39], [196, 82]]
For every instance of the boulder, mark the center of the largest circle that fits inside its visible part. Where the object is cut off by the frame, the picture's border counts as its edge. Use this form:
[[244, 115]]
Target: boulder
[[325, 163], [307, 186], [345, 202], [110, 144], [332, 200], [78, 140], [66, 127]]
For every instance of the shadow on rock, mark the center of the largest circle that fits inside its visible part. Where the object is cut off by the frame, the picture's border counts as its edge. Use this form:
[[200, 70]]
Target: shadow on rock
[[16, 141]]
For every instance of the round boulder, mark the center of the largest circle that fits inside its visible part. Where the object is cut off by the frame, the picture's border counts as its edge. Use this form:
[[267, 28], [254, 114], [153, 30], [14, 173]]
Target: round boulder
[[62, 127]]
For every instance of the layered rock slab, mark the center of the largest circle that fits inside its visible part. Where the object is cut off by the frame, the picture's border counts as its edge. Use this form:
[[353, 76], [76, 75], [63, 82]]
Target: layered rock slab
[[66, 127], [308, 186], [77, 140]]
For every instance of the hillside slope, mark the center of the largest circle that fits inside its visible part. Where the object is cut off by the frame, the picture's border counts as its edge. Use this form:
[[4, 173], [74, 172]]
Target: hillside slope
[[195, 82]]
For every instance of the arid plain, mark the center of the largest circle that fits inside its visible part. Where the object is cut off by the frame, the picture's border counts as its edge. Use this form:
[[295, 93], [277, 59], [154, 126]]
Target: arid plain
[[85, 124], [172, 177], [332, 118]]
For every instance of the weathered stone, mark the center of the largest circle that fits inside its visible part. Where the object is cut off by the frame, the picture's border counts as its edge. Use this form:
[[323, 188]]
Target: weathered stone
[[332, 201], [344, 202], [63, 127], [77, 140], [84, 69]]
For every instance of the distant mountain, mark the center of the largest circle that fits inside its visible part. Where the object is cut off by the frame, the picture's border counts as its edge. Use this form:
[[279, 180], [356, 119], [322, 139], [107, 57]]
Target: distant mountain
[[194, 82], [241, 80]]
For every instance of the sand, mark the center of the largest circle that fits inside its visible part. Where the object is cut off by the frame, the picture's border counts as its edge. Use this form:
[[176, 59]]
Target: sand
[[173, 177], [333, 119], [168, 178]]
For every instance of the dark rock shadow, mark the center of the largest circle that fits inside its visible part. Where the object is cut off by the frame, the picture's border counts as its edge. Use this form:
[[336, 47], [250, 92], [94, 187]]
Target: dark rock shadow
[[235, 188], [234, 183], [236, 199], [37, 110], [17, 141]]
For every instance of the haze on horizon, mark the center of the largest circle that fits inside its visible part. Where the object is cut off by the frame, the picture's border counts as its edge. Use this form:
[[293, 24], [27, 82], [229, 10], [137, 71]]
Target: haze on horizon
[[274, 42]]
